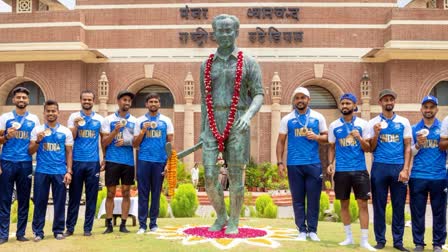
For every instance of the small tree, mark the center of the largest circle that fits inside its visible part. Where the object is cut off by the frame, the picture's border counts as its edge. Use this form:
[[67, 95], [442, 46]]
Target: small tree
[[185, 201]]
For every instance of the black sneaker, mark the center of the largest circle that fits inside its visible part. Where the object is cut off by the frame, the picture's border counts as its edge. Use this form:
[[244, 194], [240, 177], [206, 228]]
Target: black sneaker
[[22, 239], [109, 229], [87, 233], [379, 245], [68, 233], [401, 248], [123, 229]]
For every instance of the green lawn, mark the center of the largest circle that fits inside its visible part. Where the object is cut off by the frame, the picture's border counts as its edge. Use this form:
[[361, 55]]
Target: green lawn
[[330, 233]]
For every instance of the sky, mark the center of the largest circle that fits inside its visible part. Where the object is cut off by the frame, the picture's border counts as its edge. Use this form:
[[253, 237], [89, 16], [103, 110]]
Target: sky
[[71, 3]]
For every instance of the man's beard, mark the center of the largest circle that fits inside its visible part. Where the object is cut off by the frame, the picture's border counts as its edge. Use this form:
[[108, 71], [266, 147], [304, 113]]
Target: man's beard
[[303, 106], [87, 106], [347, 112], [21, 105], [389, 108], [52, 120], [429, 117]]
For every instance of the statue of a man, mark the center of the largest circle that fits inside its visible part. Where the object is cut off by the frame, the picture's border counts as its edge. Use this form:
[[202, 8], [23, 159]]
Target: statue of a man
[[232, 93]]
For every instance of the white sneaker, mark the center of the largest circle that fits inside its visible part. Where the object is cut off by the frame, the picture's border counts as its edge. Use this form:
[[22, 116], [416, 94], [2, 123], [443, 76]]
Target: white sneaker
[[301, 236], [347, 242], [367, 246], [140, 231], [313, 236], [154, 229]]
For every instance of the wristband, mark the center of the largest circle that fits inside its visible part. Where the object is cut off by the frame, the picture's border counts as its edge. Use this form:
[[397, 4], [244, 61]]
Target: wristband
[[279, 163]]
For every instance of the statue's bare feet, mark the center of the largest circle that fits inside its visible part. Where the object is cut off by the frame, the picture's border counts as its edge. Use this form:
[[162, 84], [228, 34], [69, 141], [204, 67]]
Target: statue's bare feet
[[219, 224], [232, 228]]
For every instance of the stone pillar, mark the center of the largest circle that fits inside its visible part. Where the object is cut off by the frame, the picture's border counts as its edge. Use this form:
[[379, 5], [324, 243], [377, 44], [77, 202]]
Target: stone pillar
[[189, 119], [103, 94], [366, 96], [276, 89]]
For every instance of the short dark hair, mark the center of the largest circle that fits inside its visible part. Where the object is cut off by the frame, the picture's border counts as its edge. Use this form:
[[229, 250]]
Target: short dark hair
[[87, 91], [20, 90], [51, 102], [151, 96]]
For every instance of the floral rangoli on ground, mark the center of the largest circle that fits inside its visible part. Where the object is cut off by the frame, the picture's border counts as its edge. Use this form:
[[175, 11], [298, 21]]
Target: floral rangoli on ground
[[257, 236]]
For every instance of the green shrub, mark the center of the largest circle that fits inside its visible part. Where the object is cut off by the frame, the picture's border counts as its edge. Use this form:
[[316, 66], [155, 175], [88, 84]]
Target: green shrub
[[185, 201], [270, 211], [389, 214], [15, 209], [269, 175], [227, 203], [252, 212], [163, 205], [337, 209], [389, 211], [183, 177], [324, 205], [201, 180], [261, 205], [353, 209], [101, 195]]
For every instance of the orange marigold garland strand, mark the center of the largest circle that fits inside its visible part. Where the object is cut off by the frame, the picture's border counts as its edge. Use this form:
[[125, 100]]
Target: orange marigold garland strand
[[171, 173]]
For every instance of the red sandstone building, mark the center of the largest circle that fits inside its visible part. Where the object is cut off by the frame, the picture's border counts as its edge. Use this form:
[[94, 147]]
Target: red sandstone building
[[331, 47]]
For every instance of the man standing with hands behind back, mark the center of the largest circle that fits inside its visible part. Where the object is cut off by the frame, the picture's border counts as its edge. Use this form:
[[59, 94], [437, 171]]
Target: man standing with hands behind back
[[391, 146]]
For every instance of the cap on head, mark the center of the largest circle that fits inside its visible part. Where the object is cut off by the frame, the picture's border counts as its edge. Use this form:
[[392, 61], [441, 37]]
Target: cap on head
[[351, 97], [430, 98], [301, 90], [125, 93], [386, 92], [21, 90]]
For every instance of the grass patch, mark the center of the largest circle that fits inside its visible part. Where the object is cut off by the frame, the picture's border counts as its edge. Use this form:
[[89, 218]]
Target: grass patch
[[330, 233]]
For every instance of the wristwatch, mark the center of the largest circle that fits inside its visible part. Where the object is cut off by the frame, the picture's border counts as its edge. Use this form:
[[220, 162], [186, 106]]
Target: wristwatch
[[279, 163]]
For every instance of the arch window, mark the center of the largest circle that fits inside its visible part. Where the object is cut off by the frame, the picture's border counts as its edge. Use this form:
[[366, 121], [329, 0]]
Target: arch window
[[166, 98], [321, 98], [36, 95], [441, 92]]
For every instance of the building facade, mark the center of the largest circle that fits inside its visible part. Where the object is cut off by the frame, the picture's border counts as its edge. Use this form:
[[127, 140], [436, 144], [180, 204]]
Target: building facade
[[331, 47]]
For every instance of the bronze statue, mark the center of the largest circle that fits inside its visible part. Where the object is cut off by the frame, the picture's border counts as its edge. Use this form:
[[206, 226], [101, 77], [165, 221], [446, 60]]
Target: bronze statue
[[232, 93]]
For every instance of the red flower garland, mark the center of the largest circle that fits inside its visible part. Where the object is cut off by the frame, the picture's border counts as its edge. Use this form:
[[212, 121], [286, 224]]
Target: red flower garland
[[235, 99]]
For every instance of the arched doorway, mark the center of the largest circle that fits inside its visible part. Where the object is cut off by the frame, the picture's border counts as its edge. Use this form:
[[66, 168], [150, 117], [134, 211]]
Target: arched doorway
[[325, 103], [321, 98]]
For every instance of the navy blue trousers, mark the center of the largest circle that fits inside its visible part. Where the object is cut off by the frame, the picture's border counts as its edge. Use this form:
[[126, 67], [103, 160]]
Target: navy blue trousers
[[419, 190], [19, 173], [305, 181], [87, 173], [42, 183], [384, 177], [149, 180]]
